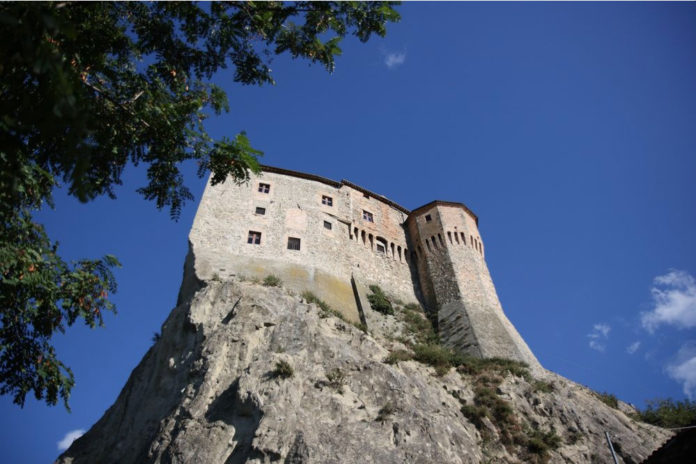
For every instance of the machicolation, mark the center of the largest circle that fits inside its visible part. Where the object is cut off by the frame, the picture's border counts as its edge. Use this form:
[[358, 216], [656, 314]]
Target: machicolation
[[336, 239]]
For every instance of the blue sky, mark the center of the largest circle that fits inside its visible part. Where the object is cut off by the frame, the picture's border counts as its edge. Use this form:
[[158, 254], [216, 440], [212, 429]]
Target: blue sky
[[567, 128]]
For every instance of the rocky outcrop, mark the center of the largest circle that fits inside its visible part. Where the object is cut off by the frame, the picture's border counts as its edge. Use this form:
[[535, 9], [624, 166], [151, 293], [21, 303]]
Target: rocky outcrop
[[210, 391]]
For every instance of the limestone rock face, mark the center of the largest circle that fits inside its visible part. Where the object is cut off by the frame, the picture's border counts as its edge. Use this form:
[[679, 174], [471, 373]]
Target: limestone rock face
[[207, 392]]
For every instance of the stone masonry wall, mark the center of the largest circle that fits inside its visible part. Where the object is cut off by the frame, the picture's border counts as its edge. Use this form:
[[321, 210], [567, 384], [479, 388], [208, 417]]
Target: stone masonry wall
[[470, 317], [337, 240]]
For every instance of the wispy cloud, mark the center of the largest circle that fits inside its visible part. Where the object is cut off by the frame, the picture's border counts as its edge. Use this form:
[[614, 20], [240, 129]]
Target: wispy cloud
[[599, 336], [392, 60], [674, 297], [684, 369], [69, 438], [633, 347]]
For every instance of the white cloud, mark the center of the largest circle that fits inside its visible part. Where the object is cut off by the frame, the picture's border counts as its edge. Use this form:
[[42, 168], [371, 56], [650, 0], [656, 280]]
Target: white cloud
[[69, 438], [599, 336], [684, 369], [633, 347], [674, 297], [393, 60]]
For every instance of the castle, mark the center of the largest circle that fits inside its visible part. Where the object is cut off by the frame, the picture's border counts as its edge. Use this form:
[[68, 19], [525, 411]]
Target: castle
[[336, 238]]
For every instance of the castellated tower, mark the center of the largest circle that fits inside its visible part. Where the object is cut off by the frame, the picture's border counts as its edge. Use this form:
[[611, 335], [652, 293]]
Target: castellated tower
[[455, 281], [336, 238]]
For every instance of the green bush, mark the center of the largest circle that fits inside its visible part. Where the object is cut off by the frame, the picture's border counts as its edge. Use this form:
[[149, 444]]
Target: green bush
[[398, 355], [542, 387], [272, 281], [539, 442], [475, 366], [413, 307], [441, 358], [283, 370], [475, 414], [609, 399], [669, 413], [379, 301], [419, 326]]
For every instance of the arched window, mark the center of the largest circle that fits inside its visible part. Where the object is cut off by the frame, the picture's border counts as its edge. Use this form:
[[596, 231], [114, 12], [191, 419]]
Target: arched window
[[463, 238], [449, 236], [456, 237], [442, 242]]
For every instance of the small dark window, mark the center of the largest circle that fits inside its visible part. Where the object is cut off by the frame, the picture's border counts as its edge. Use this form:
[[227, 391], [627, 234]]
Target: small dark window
[[328, 201], [260, 210], [380, 248], [367, 216], [254, 238], [327, 225], [428, 218], [264, 188], [293, 243]]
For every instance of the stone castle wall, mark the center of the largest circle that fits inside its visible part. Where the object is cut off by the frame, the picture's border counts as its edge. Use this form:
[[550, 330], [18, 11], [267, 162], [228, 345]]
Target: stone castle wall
[[336, 240], [350, 238]]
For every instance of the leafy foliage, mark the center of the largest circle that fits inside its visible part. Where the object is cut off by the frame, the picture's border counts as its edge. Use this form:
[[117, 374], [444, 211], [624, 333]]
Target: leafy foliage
[[379, 301], [88, 88], [670, 413]]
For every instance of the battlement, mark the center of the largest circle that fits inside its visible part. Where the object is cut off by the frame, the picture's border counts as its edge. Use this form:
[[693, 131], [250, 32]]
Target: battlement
[[336, 238]]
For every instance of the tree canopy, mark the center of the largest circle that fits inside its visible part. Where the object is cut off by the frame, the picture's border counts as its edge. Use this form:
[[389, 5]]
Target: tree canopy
[[88, 88]]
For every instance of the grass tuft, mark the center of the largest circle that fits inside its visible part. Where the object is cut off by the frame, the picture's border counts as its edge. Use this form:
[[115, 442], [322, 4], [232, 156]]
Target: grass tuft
[[283, 370], [272, 281]]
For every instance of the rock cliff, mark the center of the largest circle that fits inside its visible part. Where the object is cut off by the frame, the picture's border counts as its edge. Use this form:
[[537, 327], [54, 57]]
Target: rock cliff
[[244, 372]]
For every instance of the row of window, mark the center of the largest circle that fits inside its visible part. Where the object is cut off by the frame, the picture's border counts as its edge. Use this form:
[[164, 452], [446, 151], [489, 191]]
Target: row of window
[[266, 188], [254, 238], [262, 211], [380, 245]]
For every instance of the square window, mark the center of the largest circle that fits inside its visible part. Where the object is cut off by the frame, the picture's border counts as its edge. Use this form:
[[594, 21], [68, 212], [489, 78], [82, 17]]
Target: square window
[[367, 216], [428, 218], [327, 225], [254, 238], [293, 243], [260, 210], [328, 201], [264, 188]]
